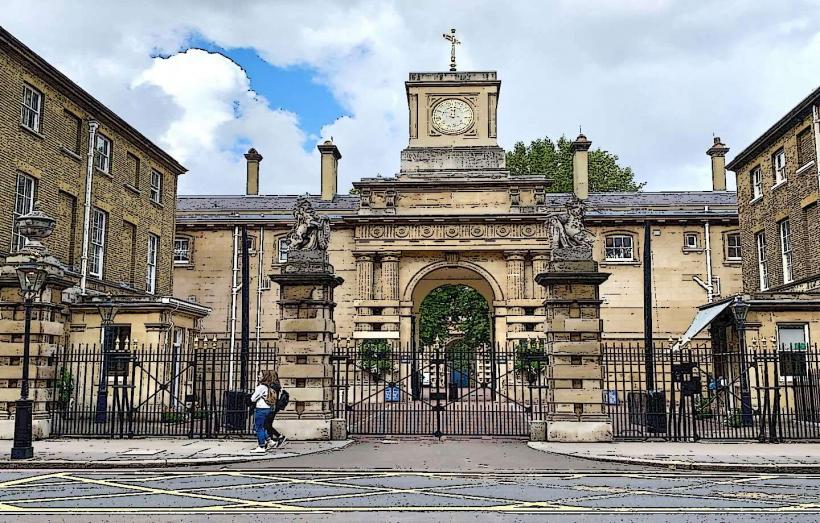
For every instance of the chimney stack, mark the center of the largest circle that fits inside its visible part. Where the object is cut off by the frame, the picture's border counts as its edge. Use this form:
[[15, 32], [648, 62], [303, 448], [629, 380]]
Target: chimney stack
[[252, 181], [580, 167], [718, 153], [330, 169]]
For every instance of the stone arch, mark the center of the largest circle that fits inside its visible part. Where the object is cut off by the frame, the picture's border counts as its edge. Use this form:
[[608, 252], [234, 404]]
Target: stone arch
[[497, 294]]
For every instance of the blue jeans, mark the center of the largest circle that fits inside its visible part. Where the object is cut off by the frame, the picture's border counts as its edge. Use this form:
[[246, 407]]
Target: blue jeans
[[259, 416]]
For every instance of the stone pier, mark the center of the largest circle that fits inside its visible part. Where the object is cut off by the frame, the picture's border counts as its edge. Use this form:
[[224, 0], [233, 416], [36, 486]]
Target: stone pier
[[573, 328]]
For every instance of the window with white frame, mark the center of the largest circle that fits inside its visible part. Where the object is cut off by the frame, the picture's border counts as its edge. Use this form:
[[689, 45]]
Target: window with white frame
[[156, 187], [762, 269], [786, 250], [733, 246], [23, 204], [691, 241], [182, 250], [102, 153], [282, 250], [618, 247], [151, 265], [779, 166], [97, 244], [792, 342], [757, 183], [30, 113]]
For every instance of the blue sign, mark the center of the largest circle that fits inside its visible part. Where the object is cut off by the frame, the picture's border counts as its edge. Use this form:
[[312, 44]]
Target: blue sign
[[610, 397], [391, 394]]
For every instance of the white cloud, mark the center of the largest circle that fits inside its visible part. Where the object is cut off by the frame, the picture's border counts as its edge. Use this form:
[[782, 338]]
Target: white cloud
[[650, 80]]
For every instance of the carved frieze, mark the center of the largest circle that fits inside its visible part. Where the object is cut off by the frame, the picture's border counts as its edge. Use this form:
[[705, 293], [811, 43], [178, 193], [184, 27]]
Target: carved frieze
[[458, 231]]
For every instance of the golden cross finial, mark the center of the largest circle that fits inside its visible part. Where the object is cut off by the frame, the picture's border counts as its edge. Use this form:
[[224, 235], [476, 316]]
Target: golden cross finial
[[453, 43]]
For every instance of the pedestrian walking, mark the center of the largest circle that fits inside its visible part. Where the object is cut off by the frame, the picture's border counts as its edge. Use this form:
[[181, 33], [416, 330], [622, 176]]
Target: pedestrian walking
[[280, 401], [262, 401]]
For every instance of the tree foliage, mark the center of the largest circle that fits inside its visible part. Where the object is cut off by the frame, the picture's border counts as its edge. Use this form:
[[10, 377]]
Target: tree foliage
[[462, 305], [554, 160]]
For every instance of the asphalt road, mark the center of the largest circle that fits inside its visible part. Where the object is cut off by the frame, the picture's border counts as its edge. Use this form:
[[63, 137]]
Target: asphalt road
[[371, 481]]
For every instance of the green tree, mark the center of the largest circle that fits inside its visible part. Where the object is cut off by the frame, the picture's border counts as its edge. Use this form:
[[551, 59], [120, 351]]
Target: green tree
[[554, 160], [465, 306]]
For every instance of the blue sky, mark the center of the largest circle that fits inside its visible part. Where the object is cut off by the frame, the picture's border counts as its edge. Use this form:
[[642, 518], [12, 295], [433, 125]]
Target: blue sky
[[295, 88]]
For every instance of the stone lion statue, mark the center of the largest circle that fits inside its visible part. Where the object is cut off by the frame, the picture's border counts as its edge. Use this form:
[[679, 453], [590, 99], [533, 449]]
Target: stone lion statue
[[567, 230], [310, 232]]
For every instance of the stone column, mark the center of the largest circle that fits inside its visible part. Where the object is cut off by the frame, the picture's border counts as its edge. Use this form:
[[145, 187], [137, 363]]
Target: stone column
[[364, 275], [515, 285], [575, 375], [540, 263], [390, 276]]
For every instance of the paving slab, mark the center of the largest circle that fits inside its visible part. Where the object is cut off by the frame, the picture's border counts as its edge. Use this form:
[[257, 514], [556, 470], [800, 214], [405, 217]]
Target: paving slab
[[740, 456], [155, 452]]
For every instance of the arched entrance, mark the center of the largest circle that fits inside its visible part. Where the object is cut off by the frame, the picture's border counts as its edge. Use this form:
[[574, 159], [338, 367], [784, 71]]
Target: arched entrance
[[443, 379]]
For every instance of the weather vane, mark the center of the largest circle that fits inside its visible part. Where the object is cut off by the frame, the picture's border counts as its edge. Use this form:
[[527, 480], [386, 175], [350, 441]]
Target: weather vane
[[453, 43]]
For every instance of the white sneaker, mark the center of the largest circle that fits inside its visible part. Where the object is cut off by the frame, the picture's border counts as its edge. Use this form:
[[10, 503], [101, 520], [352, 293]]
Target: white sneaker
[[259, 450]]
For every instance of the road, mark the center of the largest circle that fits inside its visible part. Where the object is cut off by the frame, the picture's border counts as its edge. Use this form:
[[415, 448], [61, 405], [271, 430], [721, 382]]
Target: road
[[426, 481]]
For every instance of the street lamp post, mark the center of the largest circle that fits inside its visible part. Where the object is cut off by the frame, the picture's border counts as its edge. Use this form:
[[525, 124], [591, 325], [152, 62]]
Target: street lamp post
[[740, 309], [32, 275], [107, 310]]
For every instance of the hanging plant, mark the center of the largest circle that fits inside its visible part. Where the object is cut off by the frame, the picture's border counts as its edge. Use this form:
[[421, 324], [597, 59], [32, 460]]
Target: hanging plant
[[376, 357]]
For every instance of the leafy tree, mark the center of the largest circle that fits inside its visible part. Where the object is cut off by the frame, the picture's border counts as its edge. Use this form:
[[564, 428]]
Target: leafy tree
[[465, 306], [554, 160]]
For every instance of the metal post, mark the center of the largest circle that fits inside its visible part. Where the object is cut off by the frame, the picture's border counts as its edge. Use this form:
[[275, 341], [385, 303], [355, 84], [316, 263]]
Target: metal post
[[649, 360], [22, 448], [745, 389], [246, 315]]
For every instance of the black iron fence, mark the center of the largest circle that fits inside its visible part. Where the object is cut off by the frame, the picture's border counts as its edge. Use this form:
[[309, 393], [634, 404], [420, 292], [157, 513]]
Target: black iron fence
[[381, 387], [128, 390], [765, 394]]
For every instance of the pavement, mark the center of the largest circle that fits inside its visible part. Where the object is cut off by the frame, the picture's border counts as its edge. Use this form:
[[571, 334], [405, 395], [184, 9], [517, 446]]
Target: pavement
[[751, 457], [156, 452]]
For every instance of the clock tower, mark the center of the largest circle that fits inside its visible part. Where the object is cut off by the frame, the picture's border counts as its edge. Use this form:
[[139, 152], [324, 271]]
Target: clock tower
[[453, 124]]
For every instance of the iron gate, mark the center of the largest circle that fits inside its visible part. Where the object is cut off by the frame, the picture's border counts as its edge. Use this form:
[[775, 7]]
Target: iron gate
[[765, 394], [382, 388], [127, 390]]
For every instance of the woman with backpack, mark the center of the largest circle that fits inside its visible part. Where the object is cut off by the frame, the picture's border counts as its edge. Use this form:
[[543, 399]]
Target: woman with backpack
[[262, 399], [281, 401]]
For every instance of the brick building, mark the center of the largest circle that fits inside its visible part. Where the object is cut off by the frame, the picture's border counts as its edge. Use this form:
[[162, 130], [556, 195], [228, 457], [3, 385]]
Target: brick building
[[57, 144]]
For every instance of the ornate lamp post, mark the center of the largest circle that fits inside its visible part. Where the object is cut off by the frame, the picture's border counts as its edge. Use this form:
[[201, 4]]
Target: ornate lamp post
[[740, 309], [107, 310], [32, 274]]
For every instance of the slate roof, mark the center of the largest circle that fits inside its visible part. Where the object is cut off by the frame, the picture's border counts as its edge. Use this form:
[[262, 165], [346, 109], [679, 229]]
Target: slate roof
[[242, 203]]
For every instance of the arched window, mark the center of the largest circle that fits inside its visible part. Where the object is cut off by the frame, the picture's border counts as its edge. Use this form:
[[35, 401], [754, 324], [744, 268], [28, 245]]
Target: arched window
[[619, 247]]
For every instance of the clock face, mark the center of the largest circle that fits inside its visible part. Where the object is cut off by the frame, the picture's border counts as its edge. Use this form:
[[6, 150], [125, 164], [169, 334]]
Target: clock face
[[452, 116]]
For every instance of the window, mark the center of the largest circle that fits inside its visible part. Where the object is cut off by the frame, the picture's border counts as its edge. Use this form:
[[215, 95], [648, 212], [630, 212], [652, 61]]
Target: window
[[116, 339], [792, 341], [619, 247], [805, 147], [251, 245], [32, 108], [757, 183], [182, 251], [786, 250], [97, 255], [733, 246], [102, 158], [763, 273], [23, 204], [73, 128], [691, 241], [134, 170], [156, 187], [282, 251], [779, 166], [151, 267]]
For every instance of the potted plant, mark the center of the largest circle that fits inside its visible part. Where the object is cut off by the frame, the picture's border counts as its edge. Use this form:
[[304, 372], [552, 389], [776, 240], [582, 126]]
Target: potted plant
[[376, 357], [530, 361]]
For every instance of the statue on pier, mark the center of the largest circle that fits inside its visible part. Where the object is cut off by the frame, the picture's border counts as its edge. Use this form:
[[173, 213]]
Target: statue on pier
[[569, 237], [310, 232]]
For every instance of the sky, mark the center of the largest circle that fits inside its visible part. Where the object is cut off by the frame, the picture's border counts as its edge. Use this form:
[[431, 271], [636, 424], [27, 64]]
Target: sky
[[649, 80]]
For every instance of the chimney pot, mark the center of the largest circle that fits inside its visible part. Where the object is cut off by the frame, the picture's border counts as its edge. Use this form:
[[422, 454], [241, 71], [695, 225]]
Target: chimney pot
[[329, 168], [718, 154], [580, 167], [252, 175]]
